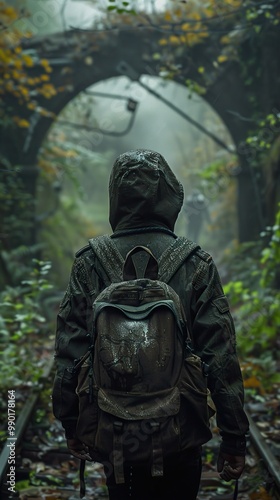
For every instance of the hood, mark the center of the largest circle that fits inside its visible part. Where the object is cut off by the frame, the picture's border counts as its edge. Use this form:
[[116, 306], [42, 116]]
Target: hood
[[143, 192]]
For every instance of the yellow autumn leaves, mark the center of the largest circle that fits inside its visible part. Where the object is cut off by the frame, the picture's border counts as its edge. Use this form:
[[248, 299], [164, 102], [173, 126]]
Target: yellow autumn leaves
[[15, 79], [190, 22], [7, 13], [49, 161], [191, 32]]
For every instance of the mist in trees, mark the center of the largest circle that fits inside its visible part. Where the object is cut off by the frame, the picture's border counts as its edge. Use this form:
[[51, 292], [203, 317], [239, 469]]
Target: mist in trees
[[103, 109]]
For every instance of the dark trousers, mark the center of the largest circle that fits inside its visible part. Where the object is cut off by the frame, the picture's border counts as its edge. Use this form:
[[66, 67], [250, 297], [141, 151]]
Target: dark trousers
[[180, 481]]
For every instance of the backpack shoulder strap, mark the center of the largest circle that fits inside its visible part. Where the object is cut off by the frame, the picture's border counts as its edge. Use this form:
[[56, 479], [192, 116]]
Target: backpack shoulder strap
[[107, 252], [174, 256], [169, 262]]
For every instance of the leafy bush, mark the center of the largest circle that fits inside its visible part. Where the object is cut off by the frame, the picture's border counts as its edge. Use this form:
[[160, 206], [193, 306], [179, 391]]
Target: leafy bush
[[256, 309], [22, 329]]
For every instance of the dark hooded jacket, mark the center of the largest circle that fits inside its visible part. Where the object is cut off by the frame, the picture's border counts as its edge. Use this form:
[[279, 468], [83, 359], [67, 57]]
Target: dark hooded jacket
[[145, 200]]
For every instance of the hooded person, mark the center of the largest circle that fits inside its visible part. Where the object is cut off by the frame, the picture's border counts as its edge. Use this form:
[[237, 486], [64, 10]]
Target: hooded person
[[145, 201], [143, 190]]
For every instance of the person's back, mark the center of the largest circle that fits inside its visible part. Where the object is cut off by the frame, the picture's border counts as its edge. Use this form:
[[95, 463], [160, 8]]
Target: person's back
[[145, 200]]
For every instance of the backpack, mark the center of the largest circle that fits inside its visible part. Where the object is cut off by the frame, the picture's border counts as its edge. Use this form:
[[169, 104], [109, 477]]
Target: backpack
[[142, 391]]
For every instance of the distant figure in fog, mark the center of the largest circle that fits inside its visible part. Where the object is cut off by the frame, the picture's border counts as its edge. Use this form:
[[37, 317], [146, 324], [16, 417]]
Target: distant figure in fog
[[197, 211]]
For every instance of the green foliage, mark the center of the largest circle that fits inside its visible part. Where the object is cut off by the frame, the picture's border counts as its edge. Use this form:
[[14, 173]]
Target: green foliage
[[260, 141], [256, 307], [271, 255], [16, 262], [14, 200], [256, 13], [22, 325], [242, 266], [120, 7], [217, 175], [48, 479], [194, 87]]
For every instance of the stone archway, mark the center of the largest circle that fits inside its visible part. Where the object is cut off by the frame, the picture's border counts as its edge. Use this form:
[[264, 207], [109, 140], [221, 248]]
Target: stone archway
[[80, 59]]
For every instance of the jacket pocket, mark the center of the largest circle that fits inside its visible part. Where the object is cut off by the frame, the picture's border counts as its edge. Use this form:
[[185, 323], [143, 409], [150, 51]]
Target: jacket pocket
[[222, 304], [195, 411]]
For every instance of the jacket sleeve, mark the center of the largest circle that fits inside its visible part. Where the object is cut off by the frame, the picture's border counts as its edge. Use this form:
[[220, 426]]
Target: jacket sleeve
[[74, 326], [214, 340]]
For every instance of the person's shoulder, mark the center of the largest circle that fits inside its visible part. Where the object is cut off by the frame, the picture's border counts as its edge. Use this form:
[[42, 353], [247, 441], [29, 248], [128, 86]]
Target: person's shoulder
[[88, 250], [82, 252]]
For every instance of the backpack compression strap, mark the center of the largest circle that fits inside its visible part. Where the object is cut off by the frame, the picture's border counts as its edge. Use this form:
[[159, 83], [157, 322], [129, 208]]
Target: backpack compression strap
[[169, 262]]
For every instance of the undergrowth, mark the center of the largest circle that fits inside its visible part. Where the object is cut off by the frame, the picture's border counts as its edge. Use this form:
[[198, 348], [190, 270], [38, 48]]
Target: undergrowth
[[255, 304]]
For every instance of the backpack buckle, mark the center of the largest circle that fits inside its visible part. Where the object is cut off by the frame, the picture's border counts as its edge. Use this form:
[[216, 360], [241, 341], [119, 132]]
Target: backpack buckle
[[118, 426], [205, 369], [155, 426]]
